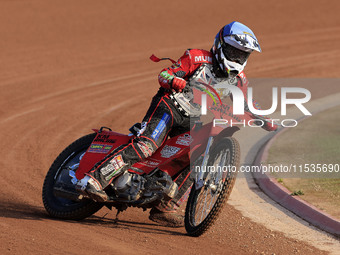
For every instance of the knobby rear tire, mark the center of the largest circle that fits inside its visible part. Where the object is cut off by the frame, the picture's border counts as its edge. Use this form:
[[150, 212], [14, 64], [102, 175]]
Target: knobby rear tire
[[63, 208]]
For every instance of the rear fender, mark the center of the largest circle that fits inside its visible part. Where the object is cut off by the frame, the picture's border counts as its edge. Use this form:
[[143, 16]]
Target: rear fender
[[103, 144]]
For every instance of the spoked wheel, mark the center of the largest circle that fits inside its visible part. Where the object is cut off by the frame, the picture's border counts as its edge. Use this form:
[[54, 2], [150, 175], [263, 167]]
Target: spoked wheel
[[60, 207], [205, 204]]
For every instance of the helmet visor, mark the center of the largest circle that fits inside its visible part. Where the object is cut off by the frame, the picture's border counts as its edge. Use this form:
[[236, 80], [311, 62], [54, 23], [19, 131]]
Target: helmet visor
[[235, 55]]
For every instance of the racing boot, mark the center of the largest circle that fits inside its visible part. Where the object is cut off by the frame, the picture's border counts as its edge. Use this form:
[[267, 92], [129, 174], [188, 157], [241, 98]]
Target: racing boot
[[166, 215], [89, 187]]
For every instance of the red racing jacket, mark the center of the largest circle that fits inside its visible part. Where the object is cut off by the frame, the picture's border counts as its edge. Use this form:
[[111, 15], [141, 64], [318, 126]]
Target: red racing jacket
[[186, 66]]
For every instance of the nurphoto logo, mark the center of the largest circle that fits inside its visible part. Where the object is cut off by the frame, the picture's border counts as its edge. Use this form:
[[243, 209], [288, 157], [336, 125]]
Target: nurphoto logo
[[239, 101]]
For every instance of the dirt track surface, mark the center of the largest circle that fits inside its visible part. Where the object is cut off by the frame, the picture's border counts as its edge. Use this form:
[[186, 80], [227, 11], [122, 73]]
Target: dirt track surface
[[69, 66]]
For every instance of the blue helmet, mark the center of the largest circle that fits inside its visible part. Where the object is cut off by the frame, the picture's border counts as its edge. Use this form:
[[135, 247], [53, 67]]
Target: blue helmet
[[232, 47]]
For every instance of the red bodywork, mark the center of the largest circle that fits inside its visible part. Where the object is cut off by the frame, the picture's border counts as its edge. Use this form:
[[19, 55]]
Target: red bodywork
[[173, 156]]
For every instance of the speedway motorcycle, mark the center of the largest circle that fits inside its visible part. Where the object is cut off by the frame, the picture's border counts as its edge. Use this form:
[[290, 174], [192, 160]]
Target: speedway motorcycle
[[203, 161]]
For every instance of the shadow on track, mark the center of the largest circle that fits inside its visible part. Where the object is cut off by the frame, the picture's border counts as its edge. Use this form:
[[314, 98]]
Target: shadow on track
[[18, 210], [23, 211]]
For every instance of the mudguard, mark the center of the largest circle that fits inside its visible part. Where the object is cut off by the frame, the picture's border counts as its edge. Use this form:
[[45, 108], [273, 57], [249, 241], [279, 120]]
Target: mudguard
[[104, 143]]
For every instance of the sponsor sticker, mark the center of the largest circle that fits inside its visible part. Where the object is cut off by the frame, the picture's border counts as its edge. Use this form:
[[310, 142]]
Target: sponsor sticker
[[94, 183], [107, 169], [100, 148], [150, 163], [113, 167], [104, 139], [160, 127], [202, 59], [146, 148], [185, 140], [169, 151]]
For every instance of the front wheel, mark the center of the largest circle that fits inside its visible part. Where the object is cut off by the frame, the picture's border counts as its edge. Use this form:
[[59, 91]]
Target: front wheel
[[61, 207], [206, 203]]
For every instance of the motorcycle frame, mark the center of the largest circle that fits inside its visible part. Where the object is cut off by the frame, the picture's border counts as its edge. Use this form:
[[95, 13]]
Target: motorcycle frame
[[202, 139]]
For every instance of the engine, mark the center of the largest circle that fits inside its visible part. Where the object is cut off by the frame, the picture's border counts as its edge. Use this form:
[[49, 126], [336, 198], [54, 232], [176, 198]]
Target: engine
[[131, 187]]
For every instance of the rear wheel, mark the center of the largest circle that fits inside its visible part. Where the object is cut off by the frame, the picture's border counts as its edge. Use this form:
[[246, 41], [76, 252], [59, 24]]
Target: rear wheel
[[206, 203], [61, 207]]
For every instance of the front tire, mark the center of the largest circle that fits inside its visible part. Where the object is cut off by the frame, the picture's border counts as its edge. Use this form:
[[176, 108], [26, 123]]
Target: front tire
[[61, 207], [206, 203]]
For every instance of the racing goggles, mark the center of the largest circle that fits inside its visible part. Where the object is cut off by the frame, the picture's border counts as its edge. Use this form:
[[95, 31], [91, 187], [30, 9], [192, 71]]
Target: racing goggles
[[235, 55]]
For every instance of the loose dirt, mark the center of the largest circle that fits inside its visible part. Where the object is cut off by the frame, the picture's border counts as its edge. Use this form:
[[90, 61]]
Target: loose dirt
[[69, 66]]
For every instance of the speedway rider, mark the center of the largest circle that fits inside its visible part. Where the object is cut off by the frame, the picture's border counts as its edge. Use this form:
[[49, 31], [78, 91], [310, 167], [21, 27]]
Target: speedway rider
[[166, 116]]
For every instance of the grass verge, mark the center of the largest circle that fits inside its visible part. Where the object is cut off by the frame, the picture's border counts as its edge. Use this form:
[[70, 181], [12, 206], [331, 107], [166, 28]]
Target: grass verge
[[314, 141]]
